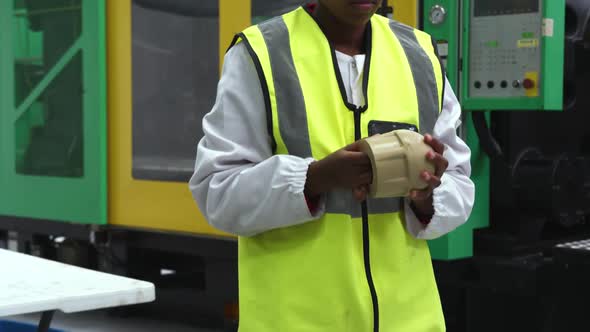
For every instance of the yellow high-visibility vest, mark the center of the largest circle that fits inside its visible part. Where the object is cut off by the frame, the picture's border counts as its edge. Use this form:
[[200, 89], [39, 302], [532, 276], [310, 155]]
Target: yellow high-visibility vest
[[356, 269]]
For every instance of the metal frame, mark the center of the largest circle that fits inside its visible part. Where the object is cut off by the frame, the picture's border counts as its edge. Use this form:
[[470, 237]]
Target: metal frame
[[449, 31], [232, 21], [166, 206], [47, 227], [459, 243], [49, 77], [55, 198], [211, 247]]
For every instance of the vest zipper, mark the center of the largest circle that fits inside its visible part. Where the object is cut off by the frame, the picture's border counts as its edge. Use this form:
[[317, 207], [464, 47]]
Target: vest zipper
[[365, 219]]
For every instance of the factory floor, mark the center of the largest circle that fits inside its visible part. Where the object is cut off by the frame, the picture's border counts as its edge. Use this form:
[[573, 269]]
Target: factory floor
[[101, 321]]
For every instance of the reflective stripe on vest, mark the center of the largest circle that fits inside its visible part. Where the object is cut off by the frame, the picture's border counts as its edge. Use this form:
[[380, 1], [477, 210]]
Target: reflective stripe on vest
[[311, 277], [427, 87], [289, 105]]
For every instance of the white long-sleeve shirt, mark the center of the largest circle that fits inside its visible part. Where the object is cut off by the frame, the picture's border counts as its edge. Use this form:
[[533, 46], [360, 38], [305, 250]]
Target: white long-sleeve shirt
[[243, 189]]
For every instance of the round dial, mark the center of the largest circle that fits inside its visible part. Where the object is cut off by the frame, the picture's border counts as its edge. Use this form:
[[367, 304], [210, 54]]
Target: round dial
[[438, 14]]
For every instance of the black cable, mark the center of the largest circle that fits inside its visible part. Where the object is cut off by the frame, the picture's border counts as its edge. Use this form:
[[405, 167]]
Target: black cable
[[486, 140]]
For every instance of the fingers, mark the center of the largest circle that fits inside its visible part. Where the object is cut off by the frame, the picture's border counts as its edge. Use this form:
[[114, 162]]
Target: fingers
[[432, 180], [420, 195], [358, 157], [441, 163], [354, 147], [436, 145], [364, 179]]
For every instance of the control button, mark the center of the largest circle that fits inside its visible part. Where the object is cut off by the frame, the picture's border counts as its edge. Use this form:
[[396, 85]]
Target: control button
[[491, 84], [477, 85], [516, 84], [528, 84], [504, 84]]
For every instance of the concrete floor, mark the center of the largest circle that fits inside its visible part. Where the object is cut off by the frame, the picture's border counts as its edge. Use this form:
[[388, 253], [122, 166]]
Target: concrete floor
[[96, 321]]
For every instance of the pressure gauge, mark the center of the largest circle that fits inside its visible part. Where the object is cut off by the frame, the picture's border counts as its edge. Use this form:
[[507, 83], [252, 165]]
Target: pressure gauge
[[438, 14]]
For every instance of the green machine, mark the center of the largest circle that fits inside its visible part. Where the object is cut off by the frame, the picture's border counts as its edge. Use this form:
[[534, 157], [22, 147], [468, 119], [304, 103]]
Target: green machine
[[53, 110], [499, 55]]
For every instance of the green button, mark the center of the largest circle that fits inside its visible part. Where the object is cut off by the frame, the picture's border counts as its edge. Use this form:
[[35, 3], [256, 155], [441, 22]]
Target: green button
[[528, 35], [493, 44]]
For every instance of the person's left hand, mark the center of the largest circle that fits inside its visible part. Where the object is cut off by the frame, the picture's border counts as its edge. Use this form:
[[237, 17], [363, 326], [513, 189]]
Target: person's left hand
[[422, 199]]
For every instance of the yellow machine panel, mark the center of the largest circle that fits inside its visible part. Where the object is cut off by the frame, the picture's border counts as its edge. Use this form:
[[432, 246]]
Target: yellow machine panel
[[405, 11], [150, 203], [166, 206], [231, 21]]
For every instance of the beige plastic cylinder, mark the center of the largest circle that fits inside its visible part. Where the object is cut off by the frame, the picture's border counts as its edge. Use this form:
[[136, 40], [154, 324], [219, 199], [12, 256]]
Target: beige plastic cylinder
[[397, 159]]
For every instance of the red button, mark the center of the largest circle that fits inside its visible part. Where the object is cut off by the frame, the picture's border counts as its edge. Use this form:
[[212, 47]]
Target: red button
[[528, 84]]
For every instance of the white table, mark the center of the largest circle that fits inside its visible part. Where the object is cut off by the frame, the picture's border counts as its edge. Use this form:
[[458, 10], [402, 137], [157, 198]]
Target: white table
[[30, 284]]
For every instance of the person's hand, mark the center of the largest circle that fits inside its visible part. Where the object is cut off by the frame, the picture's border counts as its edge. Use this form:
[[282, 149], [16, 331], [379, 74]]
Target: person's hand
[[422, 199], [347, 168]]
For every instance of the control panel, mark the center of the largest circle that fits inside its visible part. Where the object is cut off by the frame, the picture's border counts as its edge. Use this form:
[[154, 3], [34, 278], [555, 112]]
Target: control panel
[[503, 55], [505, 48]]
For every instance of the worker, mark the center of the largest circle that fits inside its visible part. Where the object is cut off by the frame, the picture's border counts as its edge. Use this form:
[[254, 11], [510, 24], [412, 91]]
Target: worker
[[280, 167]]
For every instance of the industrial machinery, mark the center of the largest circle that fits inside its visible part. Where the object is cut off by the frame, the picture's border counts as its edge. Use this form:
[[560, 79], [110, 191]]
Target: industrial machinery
[[101, 106], [518, 263], [53, 110]]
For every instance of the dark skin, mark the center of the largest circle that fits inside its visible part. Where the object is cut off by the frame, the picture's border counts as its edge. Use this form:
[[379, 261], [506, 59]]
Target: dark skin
[[344, 23]]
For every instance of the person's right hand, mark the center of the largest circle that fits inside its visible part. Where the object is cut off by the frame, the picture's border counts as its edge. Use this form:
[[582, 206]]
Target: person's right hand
[[347, 168]]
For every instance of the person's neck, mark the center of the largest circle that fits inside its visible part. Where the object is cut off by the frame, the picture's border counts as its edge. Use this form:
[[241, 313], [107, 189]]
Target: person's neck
[[346, 38]]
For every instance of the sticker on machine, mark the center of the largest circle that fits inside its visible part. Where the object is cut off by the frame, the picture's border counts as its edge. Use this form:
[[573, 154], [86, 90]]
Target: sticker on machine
[[548, 24], [443, 48], [528, 43]]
